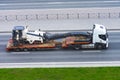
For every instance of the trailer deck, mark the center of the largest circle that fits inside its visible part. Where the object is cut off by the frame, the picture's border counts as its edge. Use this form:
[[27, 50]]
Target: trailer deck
[[26, 47]]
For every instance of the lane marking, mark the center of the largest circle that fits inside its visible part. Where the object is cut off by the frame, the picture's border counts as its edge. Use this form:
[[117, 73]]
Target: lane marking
[[114, 41], [60, 64], [88, 51], [20, 52]]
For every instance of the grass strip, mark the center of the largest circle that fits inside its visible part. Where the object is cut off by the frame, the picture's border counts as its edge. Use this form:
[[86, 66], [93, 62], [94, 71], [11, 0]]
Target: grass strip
[[99, 73]]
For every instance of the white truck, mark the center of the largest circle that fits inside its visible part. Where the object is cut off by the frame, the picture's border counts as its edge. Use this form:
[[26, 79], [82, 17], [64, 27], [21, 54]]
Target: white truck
[[24, 39]]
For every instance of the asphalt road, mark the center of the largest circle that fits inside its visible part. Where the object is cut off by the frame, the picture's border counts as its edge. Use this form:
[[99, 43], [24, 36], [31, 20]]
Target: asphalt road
[[111, 54], [50, 4]]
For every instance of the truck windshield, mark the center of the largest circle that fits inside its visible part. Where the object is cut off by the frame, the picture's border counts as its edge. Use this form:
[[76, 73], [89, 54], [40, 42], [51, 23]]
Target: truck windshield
[[104, 37]]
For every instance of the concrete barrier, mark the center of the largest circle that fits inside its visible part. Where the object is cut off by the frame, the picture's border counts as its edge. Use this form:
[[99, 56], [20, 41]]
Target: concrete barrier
[[60, 16], [62, 19], [67, 24]]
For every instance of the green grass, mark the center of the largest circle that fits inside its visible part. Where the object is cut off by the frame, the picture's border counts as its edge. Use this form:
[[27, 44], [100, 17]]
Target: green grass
[[101, 73]]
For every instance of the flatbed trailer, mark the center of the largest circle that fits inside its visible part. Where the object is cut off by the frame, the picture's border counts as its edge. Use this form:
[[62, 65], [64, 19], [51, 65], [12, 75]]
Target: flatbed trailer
[[30, 47]]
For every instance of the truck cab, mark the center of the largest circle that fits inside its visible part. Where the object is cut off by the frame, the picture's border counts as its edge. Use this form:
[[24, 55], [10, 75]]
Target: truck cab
[[100, 36]]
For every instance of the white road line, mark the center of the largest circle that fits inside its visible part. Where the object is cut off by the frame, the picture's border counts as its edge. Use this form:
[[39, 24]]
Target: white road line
[[20, 52], [60, 64], [94, 51]]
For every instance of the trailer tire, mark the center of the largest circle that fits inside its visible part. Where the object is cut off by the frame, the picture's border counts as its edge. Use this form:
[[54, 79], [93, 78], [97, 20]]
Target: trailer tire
[[33, 49], [17, 49], [77, 47], [25, 49]]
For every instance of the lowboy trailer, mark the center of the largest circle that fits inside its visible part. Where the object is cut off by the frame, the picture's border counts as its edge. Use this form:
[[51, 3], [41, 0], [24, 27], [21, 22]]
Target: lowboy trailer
[[25, 40]]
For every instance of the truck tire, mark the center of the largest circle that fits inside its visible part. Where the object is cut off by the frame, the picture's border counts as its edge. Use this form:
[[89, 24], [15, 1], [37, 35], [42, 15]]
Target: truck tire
[[104, 46], [99, 46]]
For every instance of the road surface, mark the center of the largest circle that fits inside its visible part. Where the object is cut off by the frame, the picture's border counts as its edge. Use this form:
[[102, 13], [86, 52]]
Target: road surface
[[55, 4], [112, 54]]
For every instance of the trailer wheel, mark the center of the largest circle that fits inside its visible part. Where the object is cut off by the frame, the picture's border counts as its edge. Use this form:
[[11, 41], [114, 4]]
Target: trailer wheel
[[17, 49], [77, 47], [33, 49], [25, 49]]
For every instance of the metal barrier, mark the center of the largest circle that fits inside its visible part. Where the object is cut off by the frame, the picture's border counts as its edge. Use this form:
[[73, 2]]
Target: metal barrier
[[59, 16], [65, 30]]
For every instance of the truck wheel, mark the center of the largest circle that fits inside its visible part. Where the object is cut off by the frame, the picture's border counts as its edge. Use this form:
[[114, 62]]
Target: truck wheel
[[104, 46], [99, 46]]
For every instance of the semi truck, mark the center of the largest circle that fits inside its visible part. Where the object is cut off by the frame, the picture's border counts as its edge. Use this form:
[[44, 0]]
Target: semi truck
[[24, 39]]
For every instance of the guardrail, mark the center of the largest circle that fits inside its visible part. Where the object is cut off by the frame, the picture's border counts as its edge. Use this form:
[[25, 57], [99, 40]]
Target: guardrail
[[59, 16], [65, 30]]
